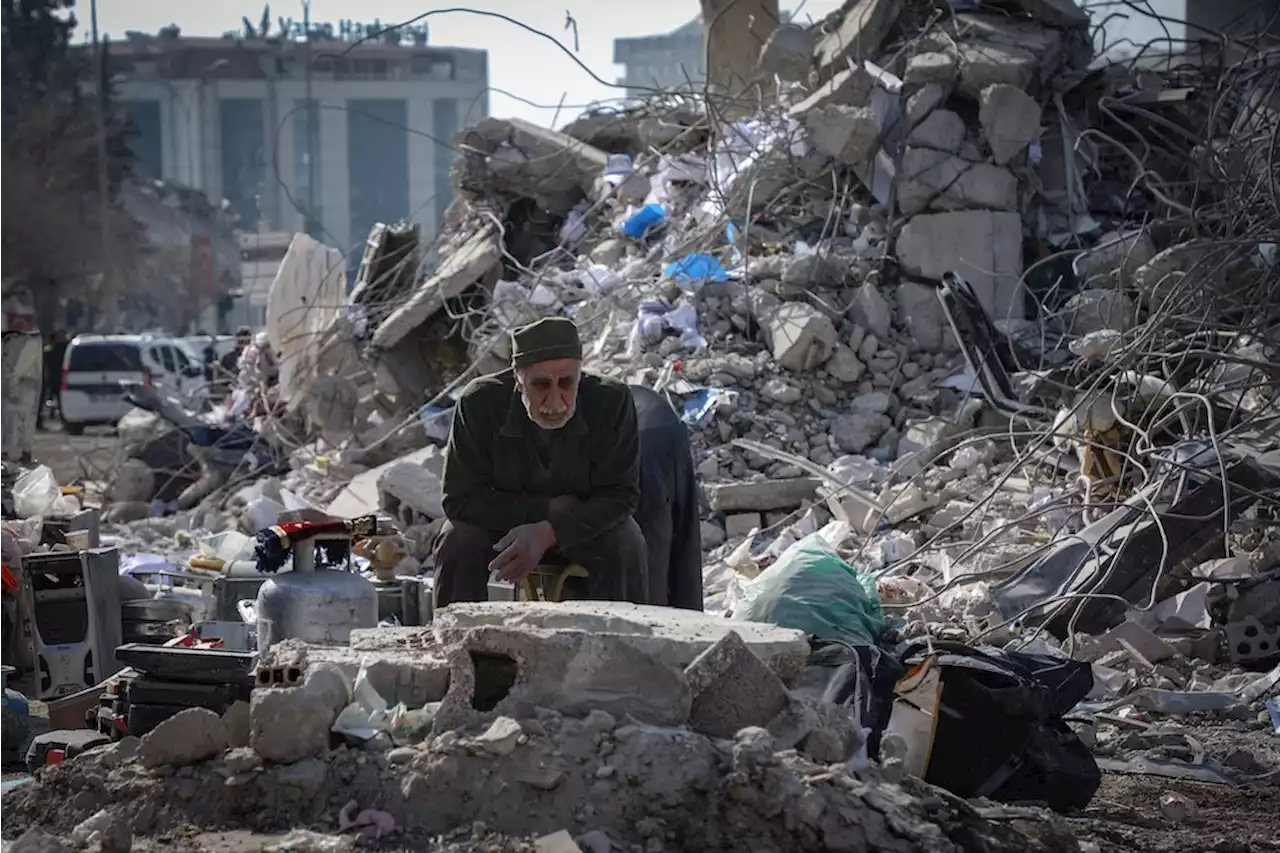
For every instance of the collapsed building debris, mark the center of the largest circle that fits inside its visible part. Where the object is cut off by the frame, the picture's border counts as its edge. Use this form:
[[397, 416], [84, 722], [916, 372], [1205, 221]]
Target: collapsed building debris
[[959, 366]]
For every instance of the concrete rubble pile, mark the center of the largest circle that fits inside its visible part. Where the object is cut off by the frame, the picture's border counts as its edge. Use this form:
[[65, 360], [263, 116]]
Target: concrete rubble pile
[[919, 304], [506, 742]]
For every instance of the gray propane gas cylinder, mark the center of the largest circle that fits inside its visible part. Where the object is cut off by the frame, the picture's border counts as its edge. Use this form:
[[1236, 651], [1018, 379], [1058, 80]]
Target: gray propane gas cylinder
[[315, 605]]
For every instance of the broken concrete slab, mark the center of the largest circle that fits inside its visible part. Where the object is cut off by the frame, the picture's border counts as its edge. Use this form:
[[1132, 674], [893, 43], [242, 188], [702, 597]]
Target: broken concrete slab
[[1151, 647], [983, 246], [742, 523], [984, 64], [849, 134], [922, 103], [414, 480], [849, 87], [403, 664], [458, 271], [732, 689], [515, 669], [1010, 120], [673, 637], [943, 130], [937, 180], [871, 310], [920, 313], [362, 494], [762, 496], [801, 338], [932, 67], [1055, 13], [514, 156], [860, 33]]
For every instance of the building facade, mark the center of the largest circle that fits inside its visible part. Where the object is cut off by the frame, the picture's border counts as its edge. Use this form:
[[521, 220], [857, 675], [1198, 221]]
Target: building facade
[[672, 61], [327, 137]]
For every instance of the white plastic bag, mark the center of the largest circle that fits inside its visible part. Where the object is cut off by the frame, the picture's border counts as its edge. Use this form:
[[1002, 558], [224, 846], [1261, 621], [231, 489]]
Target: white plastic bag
[[35, 492]]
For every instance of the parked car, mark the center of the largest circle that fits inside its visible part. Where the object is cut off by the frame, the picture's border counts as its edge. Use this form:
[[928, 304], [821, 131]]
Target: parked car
[[97, 370]]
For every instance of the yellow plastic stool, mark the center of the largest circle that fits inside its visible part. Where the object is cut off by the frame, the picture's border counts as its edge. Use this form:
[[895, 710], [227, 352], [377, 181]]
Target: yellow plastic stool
[[553, 577]]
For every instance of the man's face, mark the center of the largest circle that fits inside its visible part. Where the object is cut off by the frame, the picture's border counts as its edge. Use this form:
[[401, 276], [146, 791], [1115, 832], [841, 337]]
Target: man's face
[[549, 391], [242, 341]]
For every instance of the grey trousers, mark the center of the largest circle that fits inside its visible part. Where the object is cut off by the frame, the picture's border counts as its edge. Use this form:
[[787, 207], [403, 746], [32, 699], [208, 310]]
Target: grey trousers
[[616, 562]]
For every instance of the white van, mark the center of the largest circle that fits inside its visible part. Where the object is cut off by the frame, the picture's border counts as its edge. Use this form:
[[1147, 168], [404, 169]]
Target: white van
[[97, 369]]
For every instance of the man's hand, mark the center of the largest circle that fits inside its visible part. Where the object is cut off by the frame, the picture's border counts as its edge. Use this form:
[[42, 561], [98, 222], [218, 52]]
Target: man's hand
[[521, 549]]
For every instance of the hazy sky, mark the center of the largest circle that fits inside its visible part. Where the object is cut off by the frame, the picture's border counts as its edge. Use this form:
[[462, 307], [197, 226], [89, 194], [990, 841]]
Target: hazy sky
[[521, 63]]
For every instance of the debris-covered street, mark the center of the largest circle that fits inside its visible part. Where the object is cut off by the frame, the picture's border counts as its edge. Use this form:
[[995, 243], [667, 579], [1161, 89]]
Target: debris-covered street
[[933, 356]]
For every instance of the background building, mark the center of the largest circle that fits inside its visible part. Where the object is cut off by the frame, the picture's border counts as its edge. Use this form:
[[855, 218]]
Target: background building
[[667, 61], [230, 116]]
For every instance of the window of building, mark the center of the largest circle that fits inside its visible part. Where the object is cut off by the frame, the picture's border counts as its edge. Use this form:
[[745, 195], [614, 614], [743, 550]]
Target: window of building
[[146, 139], [377, 163], [306, 164], [444, 124], [244, 158]]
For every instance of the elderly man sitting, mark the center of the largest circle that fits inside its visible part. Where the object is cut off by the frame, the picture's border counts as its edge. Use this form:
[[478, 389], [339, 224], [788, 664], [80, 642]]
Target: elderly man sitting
[[543, 465]]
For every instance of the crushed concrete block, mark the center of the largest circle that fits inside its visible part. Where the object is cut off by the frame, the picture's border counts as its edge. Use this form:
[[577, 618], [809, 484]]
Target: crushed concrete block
[[942, 130], [1010, 120], [556, 842], [185, 738], [762, 496], [1117, 253], [362, 494], [921, 314], [501, 738], [932, 67], [106, 831], [982, 246], [855, 432], [820, 269], [984, 64], [674, 637], [843, 366], [942, 181], [922, 103], [415, 480], [403, 664], [514, 156], [870, 309], [849, 134], [742, 523], [512, 671], [801, 338], [858, 36], [289, 724], [732, 689], [458, 271], [788, 53], [849, 86], [926, 439], [1095, 310]]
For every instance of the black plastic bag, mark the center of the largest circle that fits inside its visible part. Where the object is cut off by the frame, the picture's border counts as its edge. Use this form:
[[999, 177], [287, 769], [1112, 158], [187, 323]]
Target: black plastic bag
[[1000, 731]]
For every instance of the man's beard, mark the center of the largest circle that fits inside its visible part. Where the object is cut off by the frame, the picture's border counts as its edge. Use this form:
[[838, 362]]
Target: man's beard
[[545, 419]]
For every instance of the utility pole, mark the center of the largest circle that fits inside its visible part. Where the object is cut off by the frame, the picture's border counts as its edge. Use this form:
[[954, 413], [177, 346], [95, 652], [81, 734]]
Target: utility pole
[[313, 119], [100, 60]]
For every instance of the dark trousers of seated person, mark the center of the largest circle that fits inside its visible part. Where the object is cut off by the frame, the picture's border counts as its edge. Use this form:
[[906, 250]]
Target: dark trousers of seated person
[[616, 562]]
